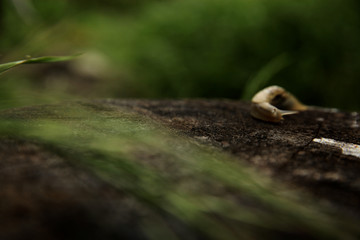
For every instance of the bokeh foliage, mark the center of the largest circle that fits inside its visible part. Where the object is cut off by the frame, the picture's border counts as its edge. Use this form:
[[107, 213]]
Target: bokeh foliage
[[185, 48]]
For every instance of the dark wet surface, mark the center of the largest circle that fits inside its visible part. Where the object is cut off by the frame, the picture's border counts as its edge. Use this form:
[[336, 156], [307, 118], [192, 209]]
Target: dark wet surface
[[283, 150], [39, 190]]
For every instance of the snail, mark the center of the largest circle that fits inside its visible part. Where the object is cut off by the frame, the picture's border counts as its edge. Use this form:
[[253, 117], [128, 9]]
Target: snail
[[266, 103]]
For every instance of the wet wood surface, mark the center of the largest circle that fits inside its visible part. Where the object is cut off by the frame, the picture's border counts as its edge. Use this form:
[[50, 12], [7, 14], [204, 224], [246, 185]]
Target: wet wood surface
[[38, 187]]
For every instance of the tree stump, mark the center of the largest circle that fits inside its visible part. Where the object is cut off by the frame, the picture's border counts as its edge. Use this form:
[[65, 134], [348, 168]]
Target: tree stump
[[315, 153]]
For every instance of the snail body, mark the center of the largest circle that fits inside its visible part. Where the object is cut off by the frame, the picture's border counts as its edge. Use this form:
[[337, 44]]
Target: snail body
[[266, 103]]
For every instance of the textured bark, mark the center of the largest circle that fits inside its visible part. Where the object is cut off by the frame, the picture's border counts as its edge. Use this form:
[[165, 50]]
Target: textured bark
[[44, 197]]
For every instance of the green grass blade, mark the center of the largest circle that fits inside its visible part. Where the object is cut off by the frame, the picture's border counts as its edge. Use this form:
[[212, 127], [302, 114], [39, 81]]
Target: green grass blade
[[263, 76], [6, 66], [46, 59]]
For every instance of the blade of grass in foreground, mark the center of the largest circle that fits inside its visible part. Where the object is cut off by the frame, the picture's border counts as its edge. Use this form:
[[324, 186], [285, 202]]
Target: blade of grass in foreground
[[207, 191], [265, 74], [46, 59]]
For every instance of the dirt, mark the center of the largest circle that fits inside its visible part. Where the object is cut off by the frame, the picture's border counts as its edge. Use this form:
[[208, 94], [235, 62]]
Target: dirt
[[37, 185]]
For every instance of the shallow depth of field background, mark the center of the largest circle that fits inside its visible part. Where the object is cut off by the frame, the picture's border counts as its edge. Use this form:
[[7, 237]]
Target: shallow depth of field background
[[179, 49], [182, 49]]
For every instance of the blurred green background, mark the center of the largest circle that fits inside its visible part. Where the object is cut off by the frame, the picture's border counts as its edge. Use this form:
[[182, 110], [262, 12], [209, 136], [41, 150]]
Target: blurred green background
[[182, 49]]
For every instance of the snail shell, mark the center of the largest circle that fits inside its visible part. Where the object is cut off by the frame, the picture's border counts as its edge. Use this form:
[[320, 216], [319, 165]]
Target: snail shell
[[266, 103]]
